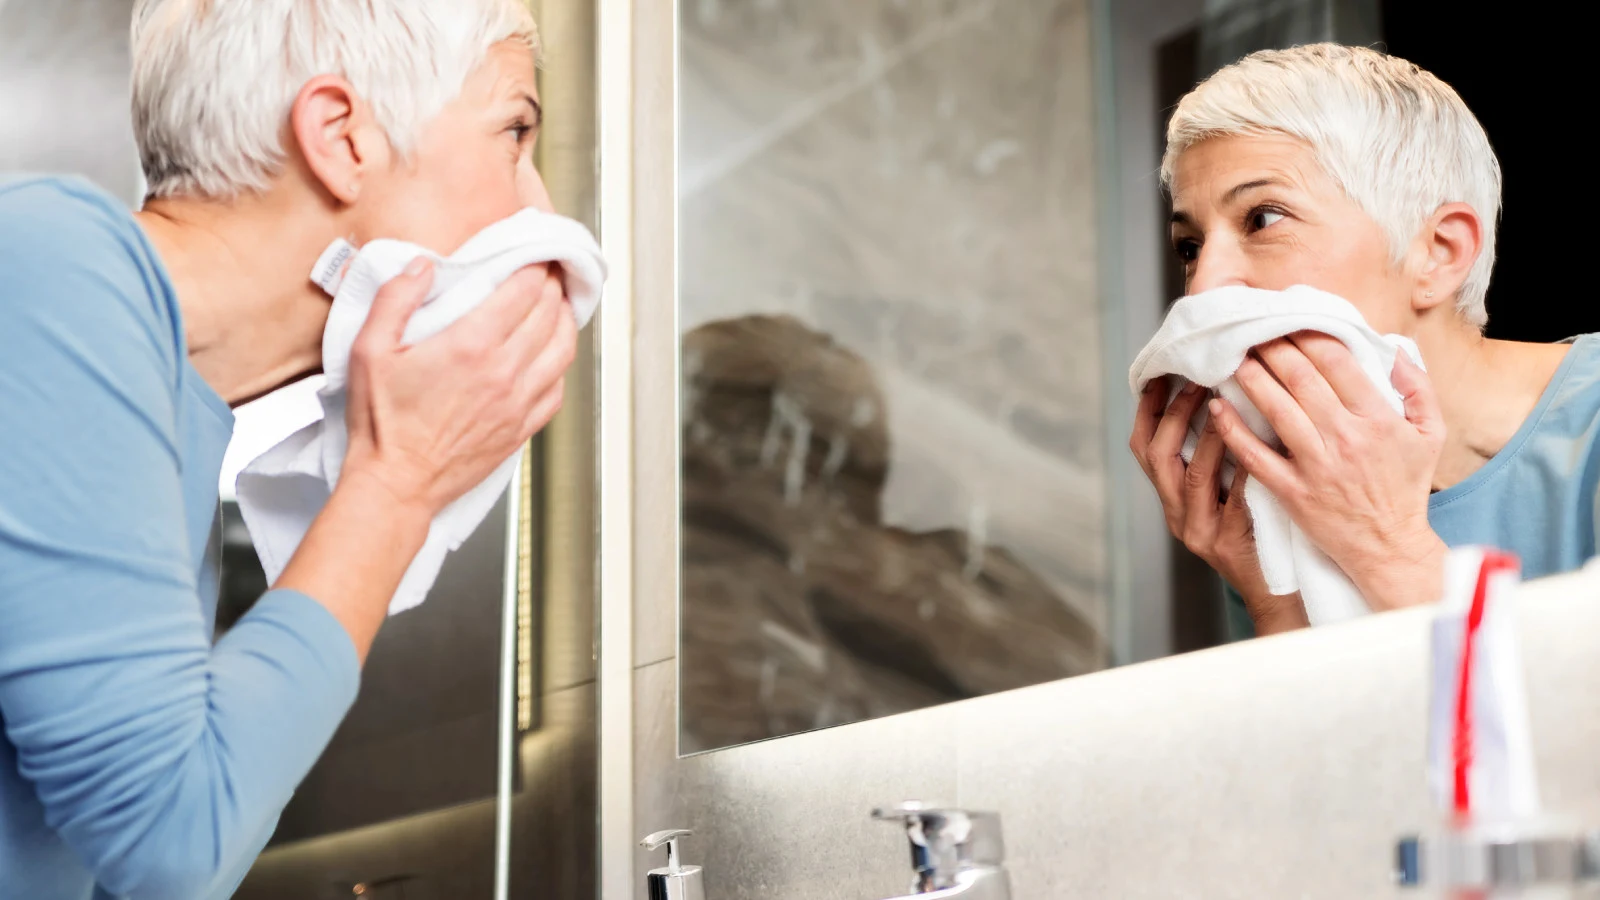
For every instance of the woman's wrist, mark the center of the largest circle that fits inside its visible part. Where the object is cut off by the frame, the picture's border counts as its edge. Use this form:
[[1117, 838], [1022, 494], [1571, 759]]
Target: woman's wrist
[[378, 486], [1409, 572], [356, 553], [1275, 614]]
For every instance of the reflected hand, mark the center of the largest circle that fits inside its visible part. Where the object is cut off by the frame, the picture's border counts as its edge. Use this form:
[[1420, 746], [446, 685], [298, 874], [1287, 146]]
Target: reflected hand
[[1210, 520], [1357, 475]]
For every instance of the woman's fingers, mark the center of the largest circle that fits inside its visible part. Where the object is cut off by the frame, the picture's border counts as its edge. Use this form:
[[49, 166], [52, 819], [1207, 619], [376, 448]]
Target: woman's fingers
[[1152, 403], [394, 304], [1164, 456], [1252, 453], [551, 359], [530, 336], [1301, 378], [1341, 373], [1235, 517], [544, 408], [1279, 407], [1202, 489], [507, 307], [1421, 401], [453, 407]]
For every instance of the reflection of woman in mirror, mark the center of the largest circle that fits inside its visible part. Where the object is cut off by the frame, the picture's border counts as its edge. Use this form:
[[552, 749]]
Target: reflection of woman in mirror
[[1363, 175], [137, 757]]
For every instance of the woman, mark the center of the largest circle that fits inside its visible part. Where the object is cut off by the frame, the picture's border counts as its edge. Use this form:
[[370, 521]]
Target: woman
[[138, 759], [1362, 175]]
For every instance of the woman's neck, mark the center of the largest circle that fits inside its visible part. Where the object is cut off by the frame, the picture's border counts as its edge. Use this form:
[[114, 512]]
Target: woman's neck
[[1486, 390], [252, 317]]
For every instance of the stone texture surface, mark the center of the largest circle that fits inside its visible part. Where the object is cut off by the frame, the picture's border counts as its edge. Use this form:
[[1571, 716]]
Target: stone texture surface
[[915, 181], [801, 607]]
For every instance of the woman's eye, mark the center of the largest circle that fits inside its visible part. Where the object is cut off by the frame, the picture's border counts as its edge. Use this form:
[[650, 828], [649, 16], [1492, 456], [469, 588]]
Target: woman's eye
[[521, 131], [1187, 250], [1262, 218]]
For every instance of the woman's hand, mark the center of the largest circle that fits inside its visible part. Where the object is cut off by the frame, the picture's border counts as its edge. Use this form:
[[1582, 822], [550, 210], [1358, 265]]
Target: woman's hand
[[430, 421], [427, 422], [1214, 524], [1357, 475]]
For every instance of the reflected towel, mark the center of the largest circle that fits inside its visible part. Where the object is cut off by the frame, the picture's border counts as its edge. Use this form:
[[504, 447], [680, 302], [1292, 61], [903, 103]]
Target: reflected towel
[[1205, 339], [282, 491]]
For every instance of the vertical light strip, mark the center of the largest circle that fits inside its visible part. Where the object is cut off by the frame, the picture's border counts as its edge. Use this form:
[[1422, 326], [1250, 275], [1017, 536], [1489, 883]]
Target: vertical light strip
[[677, 372], [508, 683], [524, 654], [615, 77]]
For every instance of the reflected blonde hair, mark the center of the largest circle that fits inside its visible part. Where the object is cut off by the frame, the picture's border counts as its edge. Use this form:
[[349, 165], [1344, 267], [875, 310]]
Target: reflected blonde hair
[[1397, 140], [214, 80]]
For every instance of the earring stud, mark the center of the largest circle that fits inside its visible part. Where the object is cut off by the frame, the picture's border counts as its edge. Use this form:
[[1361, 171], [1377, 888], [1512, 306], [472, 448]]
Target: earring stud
[[1428, 294]]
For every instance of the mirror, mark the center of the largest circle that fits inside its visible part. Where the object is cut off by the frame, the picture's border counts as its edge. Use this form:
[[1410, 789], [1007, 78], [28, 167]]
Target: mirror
[[894, 456], [918, 246]]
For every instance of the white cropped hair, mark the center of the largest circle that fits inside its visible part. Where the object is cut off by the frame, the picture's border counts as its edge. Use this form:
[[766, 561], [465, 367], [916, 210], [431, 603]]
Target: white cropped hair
[[1399, 141], [214, 80]]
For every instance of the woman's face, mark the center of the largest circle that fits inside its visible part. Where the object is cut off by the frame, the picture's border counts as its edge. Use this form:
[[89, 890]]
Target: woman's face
[[472, 166], [1259, 211]]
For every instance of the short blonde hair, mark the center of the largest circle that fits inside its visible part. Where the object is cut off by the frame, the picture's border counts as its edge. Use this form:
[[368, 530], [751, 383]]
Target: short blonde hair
[[1399, 141], [214, 80]]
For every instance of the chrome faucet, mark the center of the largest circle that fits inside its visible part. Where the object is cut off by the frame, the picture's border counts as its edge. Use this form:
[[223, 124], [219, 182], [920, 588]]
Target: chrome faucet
[[954, 853]]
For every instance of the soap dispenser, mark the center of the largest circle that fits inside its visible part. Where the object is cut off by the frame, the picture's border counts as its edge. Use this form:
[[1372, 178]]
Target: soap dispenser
[[676, 881]]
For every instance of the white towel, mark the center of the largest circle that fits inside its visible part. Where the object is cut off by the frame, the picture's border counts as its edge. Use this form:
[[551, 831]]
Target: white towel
[[282, 491], [1205, 339]]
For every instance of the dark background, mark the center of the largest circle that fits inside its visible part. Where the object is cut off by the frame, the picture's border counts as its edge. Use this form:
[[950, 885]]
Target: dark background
[[1512, 69]]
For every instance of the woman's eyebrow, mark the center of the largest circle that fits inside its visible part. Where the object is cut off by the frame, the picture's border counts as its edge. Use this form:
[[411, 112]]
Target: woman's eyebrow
[[1179, 217], [1234, 192], [538, 111]]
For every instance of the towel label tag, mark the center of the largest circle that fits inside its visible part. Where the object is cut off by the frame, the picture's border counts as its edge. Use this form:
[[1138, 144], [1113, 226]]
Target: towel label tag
[[332, 265]]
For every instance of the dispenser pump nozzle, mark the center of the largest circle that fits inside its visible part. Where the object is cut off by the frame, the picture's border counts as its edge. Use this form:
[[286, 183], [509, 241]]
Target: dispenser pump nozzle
[[677, 881]]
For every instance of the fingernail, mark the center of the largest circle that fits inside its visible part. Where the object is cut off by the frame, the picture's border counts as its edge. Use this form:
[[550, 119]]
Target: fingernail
[[1191, 389], [417, 266], [1215, 408]]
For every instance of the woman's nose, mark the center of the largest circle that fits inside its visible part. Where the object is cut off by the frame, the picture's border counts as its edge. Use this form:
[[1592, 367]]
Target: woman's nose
[[535, 194], [1217, 266]]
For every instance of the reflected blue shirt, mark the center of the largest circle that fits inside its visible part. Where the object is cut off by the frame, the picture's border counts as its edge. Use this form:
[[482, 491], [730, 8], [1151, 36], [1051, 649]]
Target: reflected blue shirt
[[1537, 496], [138, 758]]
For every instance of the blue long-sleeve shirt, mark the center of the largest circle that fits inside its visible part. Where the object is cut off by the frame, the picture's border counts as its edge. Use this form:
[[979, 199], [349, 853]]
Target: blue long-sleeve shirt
[[138, 759]]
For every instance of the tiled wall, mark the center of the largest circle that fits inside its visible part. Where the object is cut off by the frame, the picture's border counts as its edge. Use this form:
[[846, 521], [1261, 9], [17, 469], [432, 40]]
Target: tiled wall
[[1280, 768]]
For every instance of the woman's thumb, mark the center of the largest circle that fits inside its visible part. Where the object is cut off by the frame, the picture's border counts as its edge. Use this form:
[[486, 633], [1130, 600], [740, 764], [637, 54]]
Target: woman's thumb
[[398, 299], [1416, 391]]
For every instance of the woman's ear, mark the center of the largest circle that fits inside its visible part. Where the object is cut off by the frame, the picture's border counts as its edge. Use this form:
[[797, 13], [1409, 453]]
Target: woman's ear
[[1449, 244], [336, 135]]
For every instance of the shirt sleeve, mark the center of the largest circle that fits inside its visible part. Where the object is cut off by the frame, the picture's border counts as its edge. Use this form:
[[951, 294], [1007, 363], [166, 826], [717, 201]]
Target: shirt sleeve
[[160, 759]]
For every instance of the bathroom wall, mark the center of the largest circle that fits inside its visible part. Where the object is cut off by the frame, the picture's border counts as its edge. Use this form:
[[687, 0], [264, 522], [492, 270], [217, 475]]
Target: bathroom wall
[[64, 92], [1284, 767], [1280, 768]]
